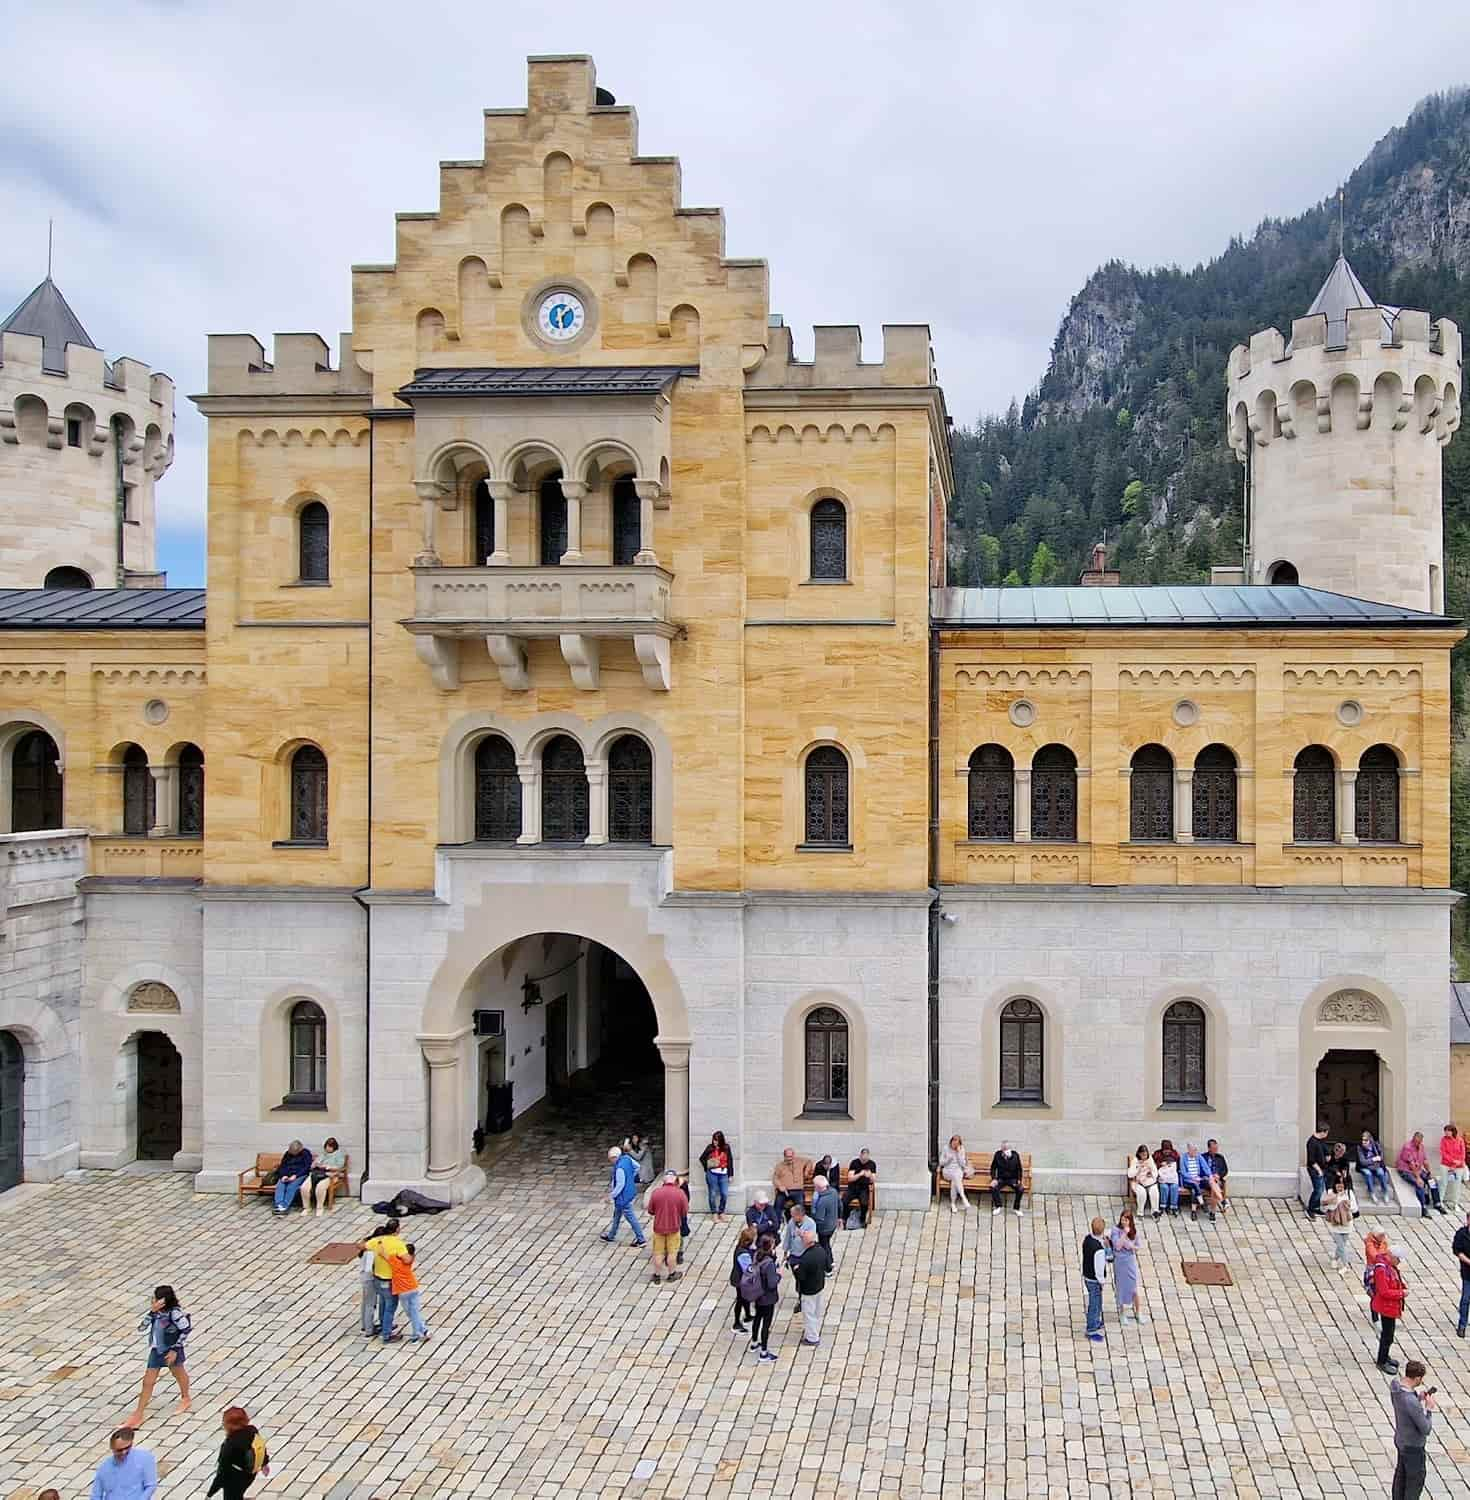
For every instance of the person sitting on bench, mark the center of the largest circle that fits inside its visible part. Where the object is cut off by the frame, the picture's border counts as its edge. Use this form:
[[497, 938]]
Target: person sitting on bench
[[862, 1172], [1005, 1172]]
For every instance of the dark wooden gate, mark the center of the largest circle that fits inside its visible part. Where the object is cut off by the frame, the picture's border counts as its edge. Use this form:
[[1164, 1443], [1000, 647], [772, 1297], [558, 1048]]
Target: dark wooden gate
[[160, 1098], [12, 1111], [1347, 1095], [556, 1045]]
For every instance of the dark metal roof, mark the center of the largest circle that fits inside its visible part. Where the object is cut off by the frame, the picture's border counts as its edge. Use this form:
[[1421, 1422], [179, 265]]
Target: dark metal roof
[[1170, 604], [546, 380], [101, 609], [1339, 294], [45, 315], [1459, 1014]]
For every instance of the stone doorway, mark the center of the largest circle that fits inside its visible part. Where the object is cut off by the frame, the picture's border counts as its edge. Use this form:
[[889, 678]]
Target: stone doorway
[[1349, 1087], [160, 1098], [12, 1111]]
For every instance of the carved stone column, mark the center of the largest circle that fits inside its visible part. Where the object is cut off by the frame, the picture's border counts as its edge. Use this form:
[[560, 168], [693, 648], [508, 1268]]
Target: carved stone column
[[1184, 804], [530, 774], [596, 802], [446, 1138], [165, 792], [647, 492], [1347, 807], [575, 491], [502, 492], [430, 492], [676, 1103], [1021, 809]]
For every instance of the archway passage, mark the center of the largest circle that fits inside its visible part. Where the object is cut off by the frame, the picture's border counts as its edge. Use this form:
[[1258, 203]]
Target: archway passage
[[1348, 1094], [566, 1065], [160, 1098], [12, 1111]]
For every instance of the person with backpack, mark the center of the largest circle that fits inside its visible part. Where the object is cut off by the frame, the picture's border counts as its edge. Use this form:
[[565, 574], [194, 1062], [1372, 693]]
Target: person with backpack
[[242, 1456], [622, 1190], [760, 1286], [740, 1262], [167, 1326], [1337, 1206]]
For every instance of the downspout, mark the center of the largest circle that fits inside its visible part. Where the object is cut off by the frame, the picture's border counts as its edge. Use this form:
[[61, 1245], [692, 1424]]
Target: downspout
[[119, 500], [934, 905], [1246, 501], [367, 910]]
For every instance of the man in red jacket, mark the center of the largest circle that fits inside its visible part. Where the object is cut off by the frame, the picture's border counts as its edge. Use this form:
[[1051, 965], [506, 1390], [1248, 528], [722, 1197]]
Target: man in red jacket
[[1389, 1294]]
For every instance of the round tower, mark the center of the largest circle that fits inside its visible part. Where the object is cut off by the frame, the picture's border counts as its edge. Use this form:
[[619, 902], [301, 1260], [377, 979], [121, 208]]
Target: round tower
[[82, 444], [1340, 432]]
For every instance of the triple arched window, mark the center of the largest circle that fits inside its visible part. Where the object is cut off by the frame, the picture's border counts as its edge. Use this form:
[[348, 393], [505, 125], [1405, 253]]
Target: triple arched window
[[829, 541], [313, 529], [826, 788]]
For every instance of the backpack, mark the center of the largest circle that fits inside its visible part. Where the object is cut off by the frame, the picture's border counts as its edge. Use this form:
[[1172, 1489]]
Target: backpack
[[752, 1283], [259, 1457]]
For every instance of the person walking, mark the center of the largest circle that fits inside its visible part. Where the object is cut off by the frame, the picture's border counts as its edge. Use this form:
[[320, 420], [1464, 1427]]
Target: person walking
[[1413, 1419], [622, 1190], [1375, 1247], [1460, 1247], [636, 1147], [953, 1164], [810, 1274], [167, 1326], [385, 1244], [1123, 1238], [760, 1286], [1166, 1159], [1006, 1172], [826, 1211], [763, 1216], [292, 1175], [741, 1261], [1452, 1161], [127, 1473], [1413, 1165], [667, 1204], [1389, 1296], [1094, 1273], [1373, 1168], [1143, 1178], [1317, 1153], [718, 1161], [1337, 1205], [408, 1294], [242, 1456], [331, 1160]]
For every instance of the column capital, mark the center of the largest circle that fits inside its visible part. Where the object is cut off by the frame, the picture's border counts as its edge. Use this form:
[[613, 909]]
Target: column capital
[[574, 489], [648, 489], [501, 489], [442, 1051], [431, 490], [674, 1051]]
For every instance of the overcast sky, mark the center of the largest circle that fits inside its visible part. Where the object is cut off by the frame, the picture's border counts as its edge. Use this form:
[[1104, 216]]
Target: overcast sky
[[217, 168]]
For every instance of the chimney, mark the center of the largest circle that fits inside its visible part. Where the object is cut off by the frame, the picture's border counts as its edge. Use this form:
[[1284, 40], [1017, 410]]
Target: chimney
[[1097, 574]]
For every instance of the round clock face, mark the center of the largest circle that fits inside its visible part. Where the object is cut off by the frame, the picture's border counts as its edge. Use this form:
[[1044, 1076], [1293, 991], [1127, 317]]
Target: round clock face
[[560, 316]]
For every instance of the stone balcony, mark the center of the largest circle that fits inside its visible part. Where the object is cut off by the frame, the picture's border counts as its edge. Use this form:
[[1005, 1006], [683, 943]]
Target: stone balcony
[[580, 606]]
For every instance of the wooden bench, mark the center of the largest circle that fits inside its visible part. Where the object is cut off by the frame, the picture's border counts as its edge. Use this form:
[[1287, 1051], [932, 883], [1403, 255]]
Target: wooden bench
[[1186, 1193], [807, 1190], [977, 1174], [253, 1179]]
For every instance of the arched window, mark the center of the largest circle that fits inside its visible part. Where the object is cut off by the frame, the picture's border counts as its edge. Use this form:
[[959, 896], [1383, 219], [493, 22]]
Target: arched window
[[66, 578], [1283, 573], [992, 793], [829, 541], [497, 792], [191, 791], [308, 796], [1054, 794], [1314, 797], [1184, 1053], [35, 783], [1377, 812], [552, 515], [1151, 796], [314, 542], [1215, 818], [138, 795], [826, 798], [484, 524], [630, 791], [627, 522], [308, 1057], [564, 796], [1022, 1053], [826, 1062]]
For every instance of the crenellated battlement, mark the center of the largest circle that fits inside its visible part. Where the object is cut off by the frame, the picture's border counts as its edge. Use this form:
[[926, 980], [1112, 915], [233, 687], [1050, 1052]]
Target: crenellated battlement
[[1369, 332], [837, 359], [301, 366], [87, 372]]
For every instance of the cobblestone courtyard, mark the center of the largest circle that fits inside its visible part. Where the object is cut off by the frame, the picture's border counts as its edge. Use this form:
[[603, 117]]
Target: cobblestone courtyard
[[952, 1362]]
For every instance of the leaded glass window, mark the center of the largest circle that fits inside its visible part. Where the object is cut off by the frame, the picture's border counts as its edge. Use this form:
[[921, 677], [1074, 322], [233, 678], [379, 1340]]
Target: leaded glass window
[[1022, 1053], [1377, 811], [992, 793], [308, 1057], [308, 796], [564, 795], [826, 1062], [829, 540], [497, 792], [1214, 795], [35, 785], [826, 797], [1151, 796], [138, 793], [552, 509], [630, 791], [1054, 794], [314, 528], [191, 791], [1314, 797], [627, 522], [1184, 1053], [484, 524]]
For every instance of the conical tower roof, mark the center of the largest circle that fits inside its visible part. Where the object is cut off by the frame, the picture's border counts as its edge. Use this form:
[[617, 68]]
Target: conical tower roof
[[1341, 292], [46, 315]]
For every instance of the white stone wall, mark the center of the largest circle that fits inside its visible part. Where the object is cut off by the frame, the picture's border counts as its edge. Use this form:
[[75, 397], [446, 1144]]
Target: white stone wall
[[1103, 965], [40, 987]]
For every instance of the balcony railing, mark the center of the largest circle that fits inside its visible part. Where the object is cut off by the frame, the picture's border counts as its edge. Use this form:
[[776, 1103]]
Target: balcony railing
[[579, 605]]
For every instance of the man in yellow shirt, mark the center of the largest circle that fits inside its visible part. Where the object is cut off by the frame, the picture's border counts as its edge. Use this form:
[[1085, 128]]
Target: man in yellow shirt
[[385, 1245]]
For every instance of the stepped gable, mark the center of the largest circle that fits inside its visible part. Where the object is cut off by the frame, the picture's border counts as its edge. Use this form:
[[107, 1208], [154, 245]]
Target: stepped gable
[[46, 315]]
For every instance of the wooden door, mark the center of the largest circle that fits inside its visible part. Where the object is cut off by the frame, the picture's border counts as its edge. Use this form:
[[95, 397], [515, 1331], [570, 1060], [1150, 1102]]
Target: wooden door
[[1347, 1095], [160, 1098], [556, 1045], [12, 1111]]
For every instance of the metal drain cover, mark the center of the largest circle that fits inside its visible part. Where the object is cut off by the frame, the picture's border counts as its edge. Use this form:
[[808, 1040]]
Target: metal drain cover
[[1206, 1273]]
